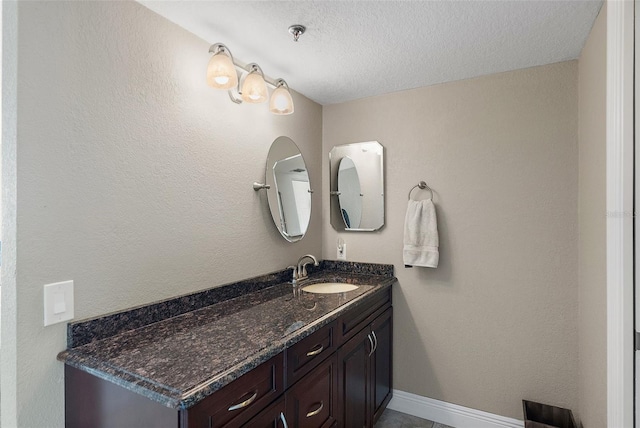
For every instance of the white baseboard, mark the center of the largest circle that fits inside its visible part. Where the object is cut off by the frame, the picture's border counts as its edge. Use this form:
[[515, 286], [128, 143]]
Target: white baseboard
[[447, 413]]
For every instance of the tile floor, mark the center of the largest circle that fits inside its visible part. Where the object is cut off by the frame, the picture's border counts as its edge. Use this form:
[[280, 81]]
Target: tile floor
[[392, 419]]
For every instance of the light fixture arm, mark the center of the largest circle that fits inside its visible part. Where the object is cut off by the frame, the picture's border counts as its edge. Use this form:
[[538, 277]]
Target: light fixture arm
[[248, 68], [233, 98], [221, 47], [253, 67], [281, 82]]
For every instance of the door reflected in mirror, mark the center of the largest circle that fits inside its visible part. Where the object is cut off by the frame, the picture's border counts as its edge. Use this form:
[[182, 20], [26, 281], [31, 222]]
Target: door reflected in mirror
[[290, 192], [356, 174]]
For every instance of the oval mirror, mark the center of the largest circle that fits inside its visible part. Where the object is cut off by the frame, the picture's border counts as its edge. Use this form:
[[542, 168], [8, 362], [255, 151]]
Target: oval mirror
[[290, 193], [349, 193]]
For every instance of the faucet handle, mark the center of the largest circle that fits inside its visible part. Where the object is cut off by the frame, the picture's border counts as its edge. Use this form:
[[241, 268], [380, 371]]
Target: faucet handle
[[295, 272], [304, 269]]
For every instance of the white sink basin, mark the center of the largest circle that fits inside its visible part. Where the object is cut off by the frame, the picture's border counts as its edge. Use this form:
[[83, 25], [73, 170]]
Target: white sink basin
[[329, 287]]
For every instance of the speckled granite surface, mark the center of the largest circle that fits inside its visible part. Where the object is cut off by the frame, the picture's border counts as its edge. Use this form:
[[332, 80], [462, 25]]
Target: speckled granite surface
[[180, 360], [83, 332]]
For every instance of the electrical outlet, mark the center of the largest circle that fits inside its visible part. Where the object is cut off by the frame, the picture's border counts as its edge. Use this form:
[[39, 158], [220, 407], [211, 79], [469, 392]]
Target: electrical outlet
[[342, 249], [58, 302]]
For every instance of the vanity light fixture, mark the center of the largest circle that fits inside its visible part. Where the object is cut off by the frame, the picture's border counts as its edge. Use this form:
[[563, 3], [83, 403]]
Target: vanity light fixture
[[222, 73], [281, 102]]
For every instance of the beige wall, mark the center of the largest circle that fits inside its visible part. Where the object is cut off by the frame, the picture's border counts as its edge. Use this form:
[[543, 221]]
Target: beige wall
[[132, 177], [496, 322], [592, 320]]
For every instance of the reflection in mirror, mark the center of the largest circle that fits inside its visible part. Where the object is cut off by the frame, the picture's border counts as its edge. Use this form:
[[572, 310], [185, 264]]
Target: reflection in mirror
[[290, 194], [356, 174], [349, 194]]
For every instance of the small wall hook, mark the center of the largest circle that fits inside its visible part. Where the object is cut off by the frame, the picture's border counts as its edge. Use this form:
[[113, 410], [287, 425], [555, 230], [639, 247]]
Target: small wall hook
[[259, 186]]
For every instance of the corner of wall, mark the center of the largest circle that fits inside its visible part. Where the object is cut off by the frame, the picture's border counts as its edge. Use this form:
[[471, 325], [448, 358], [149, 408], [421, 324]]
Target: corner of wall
[[592, 334]]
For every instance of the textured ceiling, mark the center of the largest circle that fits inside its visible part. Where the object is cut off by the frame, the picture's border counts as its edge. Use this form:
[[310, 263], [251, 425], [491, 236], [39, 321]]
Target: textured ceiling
[[357, 49]]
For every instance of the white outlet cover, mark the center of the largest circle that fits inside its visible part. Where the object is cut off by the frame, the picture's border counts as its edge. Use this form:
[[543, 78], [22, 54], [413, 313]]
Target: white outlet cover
[[342, 252], [58, 302]]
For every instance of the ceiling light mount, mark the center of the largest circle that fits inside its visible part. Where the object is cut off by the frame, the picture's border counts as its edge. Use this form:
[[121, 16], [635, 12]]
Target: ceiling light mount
[[249, 84], [297, 30]]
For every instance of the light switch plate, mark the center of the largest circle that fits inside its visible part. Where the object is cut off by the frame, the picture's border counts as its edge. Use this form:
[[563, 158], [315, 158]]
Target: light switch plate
[[58, 302]]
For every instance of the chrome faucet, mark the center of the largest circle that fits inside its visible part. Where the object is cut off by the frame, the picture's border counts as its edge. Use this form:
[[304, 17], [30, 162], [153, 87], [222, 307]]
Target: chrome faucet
[[300, 269]]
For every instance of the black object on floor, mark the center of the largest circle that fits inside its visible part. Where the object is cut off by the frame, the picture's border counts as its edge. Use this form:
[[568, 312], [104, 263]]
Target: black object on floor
[[538, 415]]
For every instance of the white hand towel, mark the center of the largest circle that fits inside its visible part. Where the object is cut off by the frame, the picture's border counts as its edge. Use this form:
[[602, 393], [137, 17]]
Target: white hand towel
[[421, 235]]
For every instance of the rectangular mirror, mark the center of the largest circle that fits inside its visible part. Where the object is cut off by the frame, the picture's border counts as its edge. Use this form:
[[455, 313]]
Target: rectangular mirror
[[356, 177]]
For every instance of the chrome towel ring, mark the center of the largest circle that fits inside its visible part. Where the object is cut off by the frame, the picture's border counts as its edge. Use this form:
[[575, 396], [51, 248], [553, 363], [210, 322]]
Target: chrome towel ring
[[421, 185]]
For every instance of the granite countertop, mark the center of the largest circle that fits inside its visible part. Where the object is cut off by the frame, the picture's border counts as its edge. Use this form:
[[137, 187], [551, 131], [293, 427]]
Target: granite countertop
[[180, 360]]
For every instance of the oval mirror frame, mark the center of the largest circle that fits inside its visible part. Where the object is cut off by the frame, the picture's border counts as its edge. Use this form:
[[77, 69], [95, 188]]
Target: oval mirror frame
[[368, 158], [289, 194]]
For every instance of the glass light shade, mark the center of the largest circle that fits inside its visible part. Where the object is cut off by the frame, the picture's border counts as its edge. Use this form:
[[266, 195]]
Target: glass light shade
[[254, 89], [221, 73], [281, 101]]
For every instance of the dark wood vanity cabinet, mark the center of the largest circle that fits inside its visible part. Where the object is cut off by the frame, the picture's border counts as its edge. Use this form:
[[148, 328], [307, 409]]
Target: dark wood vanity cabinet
[[310, 403], [364, 373], [382, 360], [354, 381], [338, 376]]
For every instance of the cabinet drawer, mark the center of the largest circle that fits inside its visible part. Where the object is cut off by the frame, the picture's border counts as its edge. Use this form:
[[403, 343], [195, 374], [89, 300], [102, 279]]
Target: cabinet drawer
[[312, 402], [242, 398], [355, 320], [309, 352]]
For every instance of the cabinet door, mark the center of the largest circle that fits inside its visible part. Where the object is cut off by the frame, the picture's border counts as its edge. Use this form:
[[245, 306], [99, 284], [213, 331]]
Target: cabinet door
[[354, 381], [382, 332], [312, 402], [271, 417]]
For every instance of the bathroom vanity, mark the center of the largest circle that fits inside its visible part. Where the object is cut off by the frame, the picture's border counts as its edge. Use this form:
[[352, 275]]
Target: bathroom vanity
[[267, 358]]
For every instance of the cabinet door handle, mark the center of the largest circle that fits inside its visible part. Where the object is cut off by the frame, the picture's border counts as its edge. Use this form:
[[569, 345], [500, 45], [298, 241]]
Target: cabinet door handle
[[371, 343], [375, 339], [284, 420], [315, 351], [245, 403], [316, 411]]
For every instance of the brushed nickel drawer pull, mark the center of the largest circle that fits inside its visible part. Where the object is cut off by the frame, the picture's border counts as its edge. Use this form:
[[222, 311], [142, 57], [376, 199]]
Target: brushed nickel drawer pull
[[284, 420], [371, 343], [315, 351], [245, 403], [375, 339], [316, 411]]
